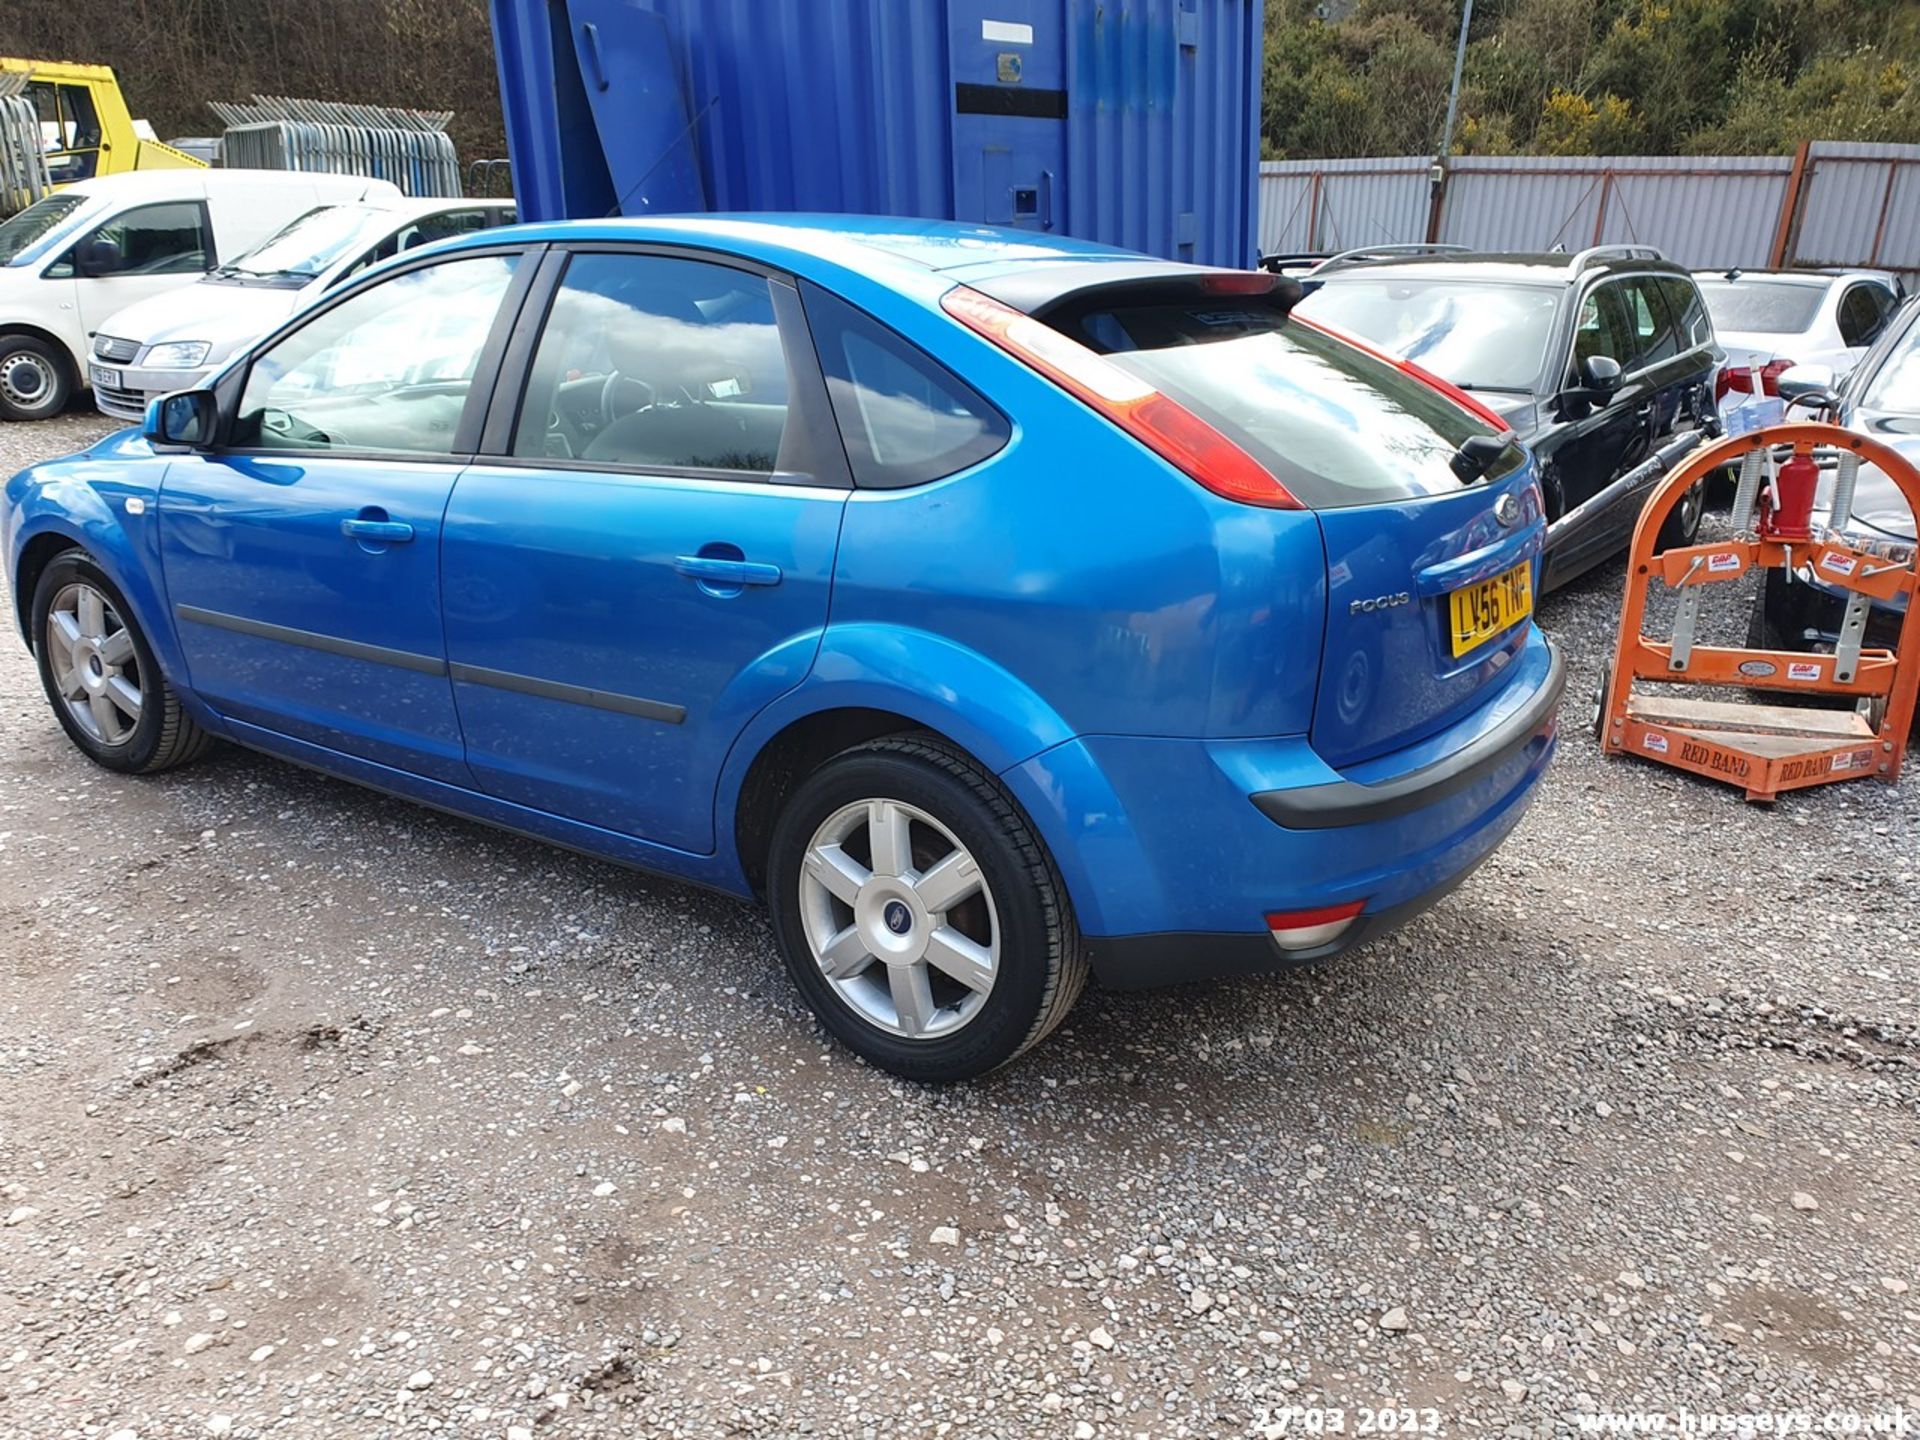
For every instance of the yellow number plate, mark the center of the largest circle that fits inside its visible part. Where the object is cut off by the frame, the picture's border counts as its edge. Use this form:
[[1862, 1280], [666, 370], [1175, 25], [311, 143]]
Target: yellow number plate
[[1482, 611]]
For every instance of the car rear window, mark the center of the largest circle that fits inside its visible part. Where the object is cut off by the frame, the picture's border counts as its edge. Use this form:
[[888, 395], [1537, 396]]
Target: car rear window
[[1762, 307], [1481, 335], [1333, 424]]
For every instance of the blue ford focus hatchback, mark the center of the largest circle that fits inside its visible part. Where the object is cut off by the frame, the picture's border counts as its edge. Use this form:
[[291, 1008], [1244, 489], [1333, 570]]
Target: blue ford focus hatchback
[[995, 607]]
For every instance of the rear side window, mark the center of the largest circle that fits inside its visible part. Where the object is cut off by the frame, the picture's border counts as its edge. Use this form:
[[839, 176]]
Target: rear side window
[[1653, 337], [1689, 311], [904, 417], [1332, 423], [1862, 314]]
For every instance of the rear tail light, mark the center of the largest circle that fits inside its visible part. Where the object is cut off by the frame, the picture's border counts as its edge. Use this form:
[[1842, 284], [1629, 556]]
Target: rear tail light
[[1310, 929], [1741, 379], [1155, 419]]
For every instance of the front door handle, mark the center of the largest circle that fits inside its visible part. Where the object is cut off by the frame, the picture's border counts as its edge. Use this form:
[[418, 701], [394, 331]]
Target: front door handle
[[717, 570], [377, 532]]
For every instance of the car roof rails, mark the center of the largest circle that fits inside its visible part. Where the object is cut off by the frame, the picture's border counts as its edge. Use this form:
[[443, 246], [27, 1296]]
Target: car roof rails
[[1613, 252], [1365, 253]]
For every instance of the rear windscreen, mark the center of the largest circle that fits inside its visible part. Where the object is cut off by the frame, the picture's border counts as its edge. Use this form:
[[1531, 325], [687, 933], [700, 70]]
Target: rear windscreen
[[1762, 307], [1333, 424]]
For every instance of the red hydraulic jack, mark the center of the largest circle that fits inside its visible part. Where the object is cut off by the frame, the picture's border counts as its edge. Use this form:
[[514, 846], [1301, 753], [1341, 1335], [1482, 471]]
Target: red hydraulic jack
[[1767, 749]]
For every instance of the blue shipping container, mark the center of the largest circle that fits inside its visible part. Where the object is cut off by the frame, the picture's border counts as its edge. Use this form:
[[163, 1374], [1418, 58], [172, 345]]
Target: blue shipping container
[[1135, 122]]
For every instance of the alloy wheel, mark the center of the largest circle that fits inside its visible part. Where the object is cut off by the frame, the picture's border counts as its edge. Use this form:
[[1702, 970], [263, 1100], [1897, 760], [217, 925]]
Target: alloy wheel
[[96, 670], [899, 919]]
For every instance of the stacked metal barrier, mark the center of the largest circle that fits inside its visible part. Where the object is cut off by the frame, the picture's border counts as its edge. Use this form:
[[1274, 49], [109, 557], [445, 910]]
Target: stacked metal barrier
[[383, 142], [23, 164]]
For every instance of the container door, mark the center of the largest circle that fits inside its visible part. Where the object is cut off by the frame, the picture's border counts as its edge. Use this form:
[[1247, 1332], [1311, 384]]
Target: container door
[[1009, 111], [638, 107]]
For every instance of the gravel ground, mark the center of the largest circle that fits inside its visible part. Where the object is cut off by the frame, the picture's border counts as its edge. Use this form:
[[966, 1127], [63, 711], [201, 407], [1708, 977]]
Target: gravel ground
[[322, 1115]]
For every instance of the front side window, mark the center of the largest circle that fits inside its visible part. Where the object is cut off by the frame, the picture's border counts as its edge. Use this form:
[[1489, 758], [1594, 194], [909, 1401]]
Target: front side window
[[658, 363], [386, 371], [71, 123], [904, 417], [1605, 327], [168, 239]]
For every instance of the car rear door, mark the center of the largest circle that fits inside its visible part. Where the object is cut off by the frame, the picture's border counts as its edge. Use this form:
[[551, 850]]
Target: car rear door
[[302, 557], [641, 559]]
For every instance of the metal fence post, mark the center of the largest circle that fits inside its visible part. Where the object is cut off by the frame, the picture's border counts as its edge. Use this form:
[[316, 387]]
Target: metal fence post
[[1790, 207]]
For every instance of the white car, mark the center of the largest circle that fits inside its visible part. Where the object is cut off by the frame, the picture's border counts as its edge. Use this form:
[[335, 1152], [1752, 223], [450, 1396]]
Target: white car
[[1771, 320], [175, 341], [74, 257]]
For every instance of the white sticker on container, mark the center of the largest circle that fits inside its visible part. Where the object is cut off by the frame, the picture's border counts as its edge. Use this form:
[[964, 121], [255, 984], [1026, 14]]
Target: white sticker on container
[[1798, 670], [1656, 743], [1005, 32]]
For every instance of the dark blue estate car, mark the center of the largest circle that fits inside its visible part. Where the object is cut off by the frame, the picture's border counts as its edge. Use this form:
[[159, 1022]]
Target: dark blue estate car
[[994, 606]]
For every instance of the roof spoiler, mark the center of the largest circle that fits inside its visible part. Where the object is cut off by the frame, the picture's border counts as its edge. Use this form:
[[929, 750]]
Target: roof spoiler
[[1053, 292]]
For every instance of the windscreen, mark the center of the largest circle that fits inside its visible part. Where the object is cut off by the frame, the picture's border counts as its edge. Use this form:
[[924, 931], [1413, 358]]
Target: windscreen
[[1333, 424], [1895, 386], [1480, 336], [1762, 307], [307, 246], [34, 223]]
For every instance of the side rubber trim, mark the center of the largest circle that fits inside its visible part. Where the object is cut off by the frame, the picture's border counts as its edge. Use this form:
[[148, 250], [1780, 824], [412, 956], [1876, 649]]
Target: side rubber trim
[[309, 640], [573, 694], [1347, 802]]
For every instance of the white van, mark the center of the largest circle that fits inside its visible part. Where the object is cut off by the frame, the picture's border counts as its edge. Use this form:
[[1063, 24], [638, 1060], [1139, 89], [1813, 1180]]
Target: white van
[[70, 260]]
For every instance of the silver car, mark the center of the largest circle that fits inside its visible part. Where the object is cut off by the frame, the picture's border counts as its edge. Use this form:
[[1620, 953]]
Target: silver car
[[176, 340]]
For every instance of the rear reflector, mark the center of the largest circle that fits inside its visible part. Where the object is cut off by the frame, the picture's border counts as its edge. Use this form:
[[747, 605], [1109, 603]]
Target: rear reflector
[[1155, 419], [1310, 929]]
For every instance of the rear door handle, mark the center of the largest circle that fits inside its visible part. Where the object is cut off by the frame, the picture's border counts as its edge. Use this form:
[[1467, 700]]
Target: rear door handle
[[380, 532], [716, 570]]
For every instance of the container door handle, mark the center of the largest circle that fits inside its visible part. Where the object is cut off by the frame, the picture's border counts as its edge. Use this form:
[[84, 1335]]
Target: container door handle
[[590, 33], [1046, 200]]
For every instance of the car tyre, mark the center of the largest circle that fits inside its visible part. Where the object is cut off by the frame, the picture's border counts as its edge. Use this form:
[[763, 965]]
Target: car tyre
[[1682, 525], [101, 676], [36, 379], [918, 912]]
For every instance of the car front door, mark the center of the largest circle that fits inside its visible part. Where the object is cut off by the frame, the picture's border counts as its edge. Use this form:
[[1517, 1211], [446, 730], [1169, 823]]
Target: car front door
[[302, 556], [137, 254], [643, 561], [1597, 435]]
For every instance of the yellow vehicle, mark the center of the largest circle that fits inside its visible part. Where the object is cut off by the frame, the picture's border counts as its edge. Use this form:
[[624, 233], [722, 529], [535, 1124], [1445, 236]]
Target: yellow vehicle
[[85, 127]]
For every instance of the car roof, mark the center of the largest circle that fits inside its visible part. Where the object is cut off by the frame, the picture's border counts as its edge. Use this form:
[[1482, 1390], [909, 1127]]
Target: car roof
[[135, 184], [1517, 267], [922, 245]]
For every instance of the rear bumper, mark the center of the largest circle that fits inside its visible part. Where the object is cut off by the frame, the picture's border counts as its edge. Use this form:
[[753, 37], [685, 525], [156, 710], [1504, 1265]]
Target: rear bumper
[[1174, 851]]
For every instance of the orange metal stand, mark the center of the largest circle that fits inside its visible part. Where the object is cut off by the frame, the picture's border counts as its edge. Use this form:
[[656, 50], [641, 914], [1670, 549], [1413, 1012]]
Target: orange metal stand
[[1767, 749]]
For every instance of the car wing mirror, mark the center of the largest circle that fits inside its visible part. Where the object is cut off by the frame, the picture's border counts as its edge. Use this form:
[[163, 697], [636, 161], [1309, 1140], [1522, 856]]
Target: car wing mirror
[[98, 256], [184, 420], [1600, 377]]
